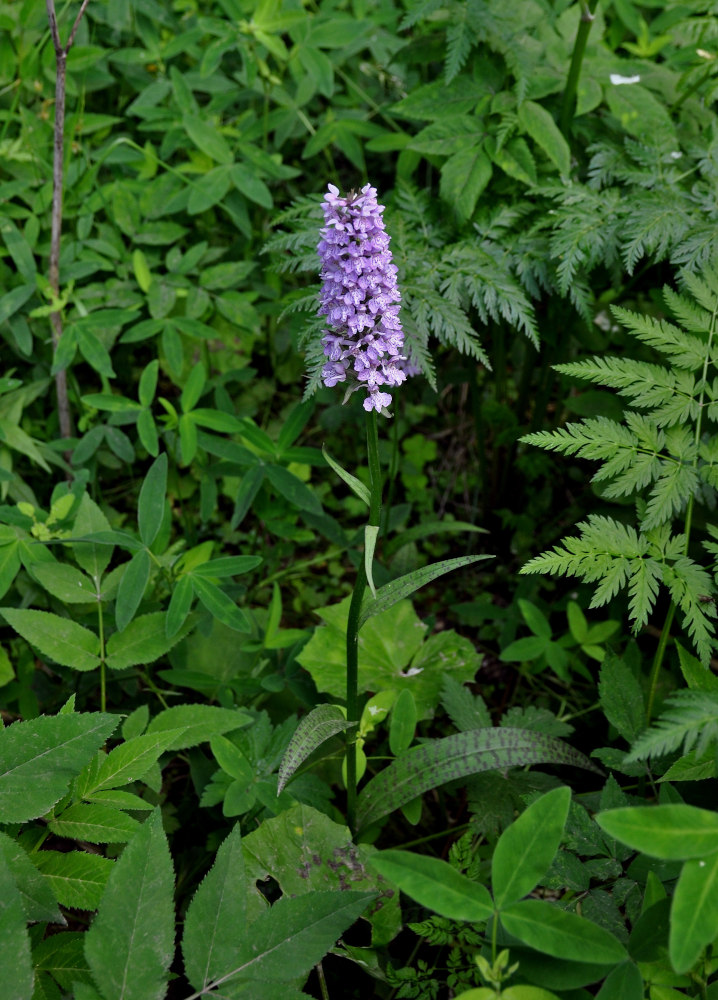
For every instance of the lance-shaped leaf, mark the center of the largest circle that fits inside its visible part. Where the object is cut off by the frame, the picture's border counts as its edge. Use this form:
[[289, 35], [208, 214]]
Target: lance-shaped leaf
[[433, 764], [694, 912], [60, 639], [15, 962], [397, 590], [313, 730], [355, 485], [435, 884]]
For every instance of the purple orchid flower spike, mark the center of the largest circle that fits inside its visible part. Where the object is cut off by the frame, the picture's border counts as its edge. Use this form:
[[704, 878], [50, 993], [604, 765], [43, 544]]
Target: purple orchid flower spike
[[360, 299]]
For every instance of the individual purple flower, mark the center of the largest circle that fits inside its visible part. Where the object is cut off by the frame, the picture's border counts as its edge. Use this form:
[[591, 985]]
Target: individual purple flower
[[360, 299]]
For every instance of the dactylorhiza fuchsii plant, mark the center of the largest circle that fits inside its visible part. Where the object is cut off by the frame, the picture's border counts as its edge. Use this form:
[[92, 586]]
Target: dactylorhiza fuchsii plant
[[360, 299], [364, 349]]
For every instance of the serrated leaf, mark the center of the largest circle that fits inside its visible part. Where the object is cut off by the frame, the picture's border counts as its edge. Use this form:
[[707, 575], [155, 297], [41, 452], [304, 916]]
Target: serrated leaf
[[143, 641], [313, 730], [131, 760], [130, 944], [199, 723], [62, 955], [210, 942], [60, 639], [526, 849], [435, 884], [77, 879], [544, 131], [94, 823], [40, 757], [15, 962], [38, 902], [621, 698], [436, 762], [65, 582], [397, 590]]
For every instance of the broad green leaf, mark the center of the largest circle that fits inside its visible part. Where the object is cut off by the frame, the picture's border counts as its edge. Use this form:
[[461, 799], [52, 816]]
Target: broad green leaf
[[436, 762], [552, 931], [292, 488], [40, 757], [672, 832], [313, 730], [151, 503], [92, 557], [130, 944], [355, 485], [621, 697], [251, 186], [207, 138], [199, 722], [210, 942], [15, 963], [544, 131], [397, 590], [94, 823], [435, 884], [131, 760], [60, 639], [143, 641], [535, 619], [65, 582], [624, 983], [220, 605], [132, 588], [77, 879], [231, 759], [403, 723], [38, 902], [464, 176], [284, 942], [308, 852], [526, 849], [694, 912]]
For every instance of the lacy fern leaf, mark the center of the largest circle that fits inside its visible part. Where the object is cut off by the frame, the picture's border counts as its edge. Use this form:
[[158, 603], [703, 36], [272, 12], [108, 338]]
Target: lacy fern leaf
[[690, 722]]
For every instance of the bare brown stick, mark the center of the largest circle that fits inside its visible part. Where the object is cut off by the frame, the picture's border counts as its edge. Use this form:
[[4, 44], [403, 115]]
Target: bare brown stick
[[61, 51]]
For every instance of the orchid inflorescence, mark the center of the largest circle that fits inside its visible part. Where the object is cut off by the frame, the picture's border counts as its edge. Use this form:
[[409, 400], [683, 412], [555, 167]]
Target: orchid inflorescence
[[360, 299]]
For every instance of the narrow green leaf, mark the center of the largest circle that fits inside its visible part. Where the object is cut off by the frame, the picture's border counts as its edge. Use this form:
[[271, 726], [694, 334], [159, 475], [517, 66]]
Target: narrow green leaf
[[621, 697], [354, 484], [132, 588], [131, 760], [397, 590], [313, 730], [180, 606], [40, 757], [371, 533], [207, 138], [248, 489], [427, 530], [220, 605], [19, 250], [130, 944], [15, 962], [403, 722], [60, 639], [151, 504], [436, 762], [210, 944], [435, 884], [77, 879], [90, 520], [694, 912], [38, 902], [199, 723], [672, 832], [94, 823], [526, 849], [292, 488], [227, 566], [555, 932]]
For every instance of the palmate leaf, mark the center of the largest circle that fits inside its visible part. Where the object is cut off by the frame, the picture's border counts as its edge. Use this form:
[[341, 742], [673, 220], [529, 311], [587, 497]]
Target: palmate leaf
[[434, 763]]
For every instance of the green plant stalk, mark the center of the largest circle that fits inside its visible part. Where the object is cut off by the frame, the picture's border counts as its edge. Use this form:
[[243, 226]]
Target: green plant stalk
[[666, 630], [103, 669], [353, 622], [574, 73]]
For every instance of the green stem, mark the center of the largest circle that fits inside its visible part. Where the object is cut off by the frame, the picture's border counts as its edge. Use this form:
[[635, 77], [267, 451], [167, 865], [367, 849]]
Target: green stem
[[574, 73], [353, 622], [103, 678]]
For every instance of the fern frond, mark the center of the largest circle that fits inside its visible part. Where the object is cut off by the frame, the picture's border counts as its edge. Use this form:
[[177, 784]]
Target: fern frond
[[460, 40], [698, 249], [690, 315], [418, 10], [584, 233], [703, 289], [434, 314], [656, 222], [687, 583], [690, 721], [684, 350], [669, 496]]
